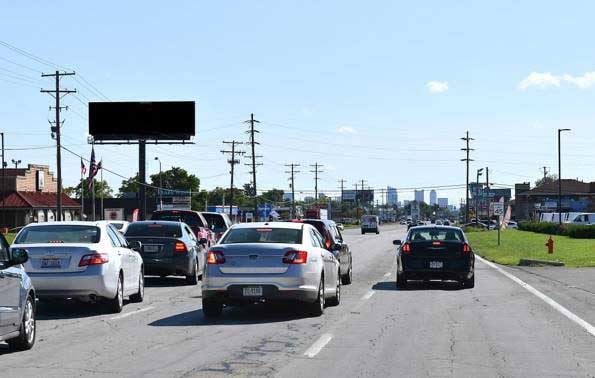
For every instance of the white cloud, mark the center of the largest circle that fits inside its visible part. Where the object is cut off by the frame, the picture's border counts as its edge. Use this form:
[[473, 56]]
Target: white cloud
[[543, 80], [583, 82], [346, 130], [437, 86]]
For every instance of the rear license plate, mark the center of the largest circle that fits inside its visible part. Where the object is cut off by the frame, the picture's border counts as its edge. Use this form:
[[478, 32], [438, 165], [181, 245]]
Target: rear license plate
[[51, 263], [151, 248], [252, 291], [436, 264]]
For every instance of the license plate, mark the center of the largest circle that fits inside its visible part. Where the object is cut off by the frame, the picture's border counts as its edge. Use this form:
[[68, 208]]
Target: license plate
[[151, 248], [436, 264], [253, 291], [51, 263]]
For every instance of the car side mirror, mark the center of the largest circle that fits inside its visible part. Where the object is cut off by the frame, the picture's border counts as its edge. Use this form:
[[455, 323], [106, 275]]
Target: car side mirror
[[397, 242], [135, 245], [336, 247], [340, 226], [18, 256]]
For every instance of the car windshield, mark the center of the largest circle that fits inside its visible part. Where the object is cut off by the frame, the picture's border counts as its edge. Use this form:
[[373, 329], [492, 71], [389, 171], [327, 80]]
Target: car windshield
[[58, 233], [154, 230], [425, 234], [216, 221], [191, 219], [263, 235]]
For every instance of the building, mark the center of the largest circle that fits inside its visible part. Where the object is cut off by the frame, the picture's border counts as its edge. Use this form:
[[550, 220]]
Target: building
[[433, 197], [30, 195], [392, 197], [287, 197], [419, 196], [481, 197], [442, 202], [577, 196]]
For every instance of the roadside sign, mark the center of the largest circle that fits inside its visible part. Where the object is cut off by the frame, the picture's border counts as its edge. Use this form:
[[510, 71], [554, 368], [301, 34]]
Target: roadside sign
[[497, 208]]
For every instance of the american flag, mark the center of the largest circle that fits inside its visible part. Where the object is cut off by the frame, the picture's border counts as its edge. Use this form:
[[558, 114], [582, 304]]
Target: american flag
[[83, 168], [93, 167]]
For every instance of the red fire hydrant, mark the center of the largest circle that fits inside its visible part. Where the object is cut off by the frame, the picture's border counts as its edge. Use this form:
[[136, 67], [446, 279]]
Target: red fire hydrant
[[550, 245]]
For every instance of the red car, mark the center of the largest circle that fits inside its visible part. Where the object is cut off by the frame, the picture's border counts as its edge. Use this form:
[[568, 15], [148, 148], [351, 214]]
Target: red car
[[194, 219]]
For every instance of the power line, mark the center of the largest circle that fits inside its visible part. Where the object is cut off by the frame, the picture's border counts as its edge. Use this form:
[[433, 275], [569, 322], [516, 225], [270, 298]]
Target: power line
[[252, 131]]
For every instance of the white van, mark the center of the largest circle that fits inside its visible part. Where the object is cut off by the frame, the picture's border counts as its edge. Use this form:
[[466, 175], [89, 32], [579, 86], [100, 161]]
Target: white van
[[582, 218]]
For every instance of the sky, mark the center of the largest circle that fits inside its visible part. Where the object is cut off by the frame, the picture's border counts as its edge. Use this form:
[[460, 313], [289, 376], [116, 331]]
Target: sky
[[381, 91]]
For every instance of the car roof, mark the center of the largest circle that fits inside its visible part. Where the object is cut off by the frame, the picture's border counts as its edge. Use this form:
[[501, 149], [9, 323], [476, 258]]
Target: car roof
[[325, 221], [291, 225], [434, 226], [156, 221], [69, 223], [211, 213]]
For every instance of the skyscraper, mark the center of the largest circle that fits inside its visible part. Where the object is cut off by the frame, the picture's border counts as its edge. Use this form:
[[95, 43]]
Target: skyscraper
[[433, 197], [419, 195], [391, 196]]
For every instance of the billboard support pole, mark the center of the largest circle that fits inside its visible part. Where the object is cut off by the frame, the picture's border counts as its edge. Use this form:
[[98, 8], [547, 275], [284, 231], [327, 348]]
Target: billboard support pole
[[142, 190]]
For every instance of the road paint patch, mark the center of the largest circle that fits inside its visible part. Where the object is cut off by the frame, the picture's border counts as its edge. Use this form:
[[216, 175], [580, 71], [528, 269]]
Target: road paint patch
[[131, 313], [368, 295], [388, 274], [318, 345], [558, 307]]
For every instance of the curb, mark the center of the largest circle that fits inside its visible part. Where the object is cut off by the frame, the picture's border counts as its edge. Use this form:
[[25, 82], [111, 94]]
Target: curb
[[530, 262]]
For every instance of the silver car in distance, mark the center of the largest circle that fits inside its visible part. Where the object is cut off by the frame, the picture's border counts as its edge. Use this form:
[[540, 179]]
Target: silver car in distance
[[275, 261], [82, 260]]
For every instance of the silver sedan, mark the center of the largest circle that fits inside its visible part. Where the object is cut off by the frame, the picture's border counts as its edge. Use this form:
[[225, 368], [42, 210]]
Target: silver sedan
[[276, 261]]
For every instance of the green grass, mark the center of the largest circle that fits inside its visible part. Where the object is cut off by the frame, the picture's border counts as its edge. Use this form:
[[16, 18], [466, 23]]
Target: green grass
[[516, 245], [10, 237]]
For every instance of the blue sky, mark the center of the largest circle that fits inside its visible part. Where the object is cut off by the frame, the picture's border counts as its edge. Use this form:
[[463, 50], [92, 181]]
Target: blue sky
[[380, 91]]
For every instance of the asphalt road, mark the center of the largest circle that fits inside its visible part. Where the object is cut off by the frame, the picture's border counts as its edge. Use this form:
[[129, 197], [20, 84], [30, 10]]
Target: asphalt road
[[497, 329]]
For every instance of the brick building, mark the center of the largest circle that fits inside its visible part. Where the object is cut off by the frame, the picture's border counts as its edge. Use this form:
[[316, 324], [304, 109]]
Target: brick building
[[29, 195]]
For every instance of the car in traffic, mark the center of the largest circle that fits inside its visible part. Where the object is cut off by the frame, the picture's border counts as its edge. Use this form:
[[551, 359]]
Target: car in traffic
[[512, 224], [168, 248], [88, 261], [435, 252], [197, 222], [335, 243], [120, 225], [17, 299], [369, 223], [274, 261], [217, 222]]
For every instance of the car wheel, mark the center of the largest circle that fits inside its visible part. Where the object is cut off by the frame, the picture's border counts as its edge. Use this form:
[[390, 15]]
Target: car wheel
[[140, 296], [377, 232], [26, 337], [317, 308], [401, 280], [334, 301], [192, 279], [211, 308], [348, 278], [469, 283], [116, 304]]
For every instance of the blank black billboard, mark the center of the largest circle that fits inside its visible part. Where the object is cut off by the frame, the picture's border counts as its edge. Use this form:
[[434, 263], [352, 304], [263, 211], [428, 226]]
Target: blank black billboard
[[159, 120]]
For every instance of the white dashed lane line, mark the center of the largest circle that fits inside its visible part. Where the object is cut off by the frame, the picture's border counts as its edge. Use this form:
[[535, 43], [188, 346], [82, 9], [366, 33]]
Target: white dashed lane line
[[368, 295], [318, 345], [131, 313]]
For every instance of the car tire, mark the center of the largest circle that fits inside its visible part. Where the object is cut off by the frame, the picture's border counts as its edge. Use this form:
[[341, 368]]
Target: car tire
[[26, 338], [211, 308], [140, 295], [469, 283], [317, 308], [401, 281], [363, 232], [336, 300], [116, 304], [192, 279], [377, 232], [348, 278]]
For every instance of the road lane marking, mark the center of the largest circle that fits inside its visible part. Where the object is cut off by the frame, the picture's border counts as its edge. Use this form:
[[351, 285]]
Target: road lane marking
[[558, 307], [368, 295], [318, 345], [131, 313], [387, 274]]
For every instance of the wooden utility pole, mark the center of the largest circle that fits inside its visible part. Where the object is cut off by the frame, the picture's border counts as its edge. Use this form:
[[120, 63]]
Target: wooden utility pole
[[292, 166], [316, 171], [252, 131], [342, 183], [467, 160], [232, 162]]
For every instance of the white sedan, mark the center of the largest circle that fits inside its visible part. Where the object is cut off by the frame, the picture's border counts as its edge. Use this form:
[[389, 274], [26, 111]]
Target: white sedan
[[89, 261]]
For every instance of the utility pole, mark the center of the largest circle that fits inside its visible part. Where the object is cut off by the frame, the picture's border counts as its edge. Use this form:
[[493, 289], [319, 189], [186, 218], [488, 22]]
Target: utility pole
[[560, 177], [292, 166], [342, 183], [253, 143], [545, 172], [362, 191], [467, 160], [488, 190], [57, 93], [3, 182], [232, 162], [316, 171]]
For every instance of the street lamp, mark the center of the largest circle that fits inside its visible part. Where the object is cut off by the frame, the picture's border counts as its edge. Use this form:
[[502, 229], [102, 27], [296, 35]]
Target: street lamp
[[16, 163], [560, 178], [160, 185], [479, 173]]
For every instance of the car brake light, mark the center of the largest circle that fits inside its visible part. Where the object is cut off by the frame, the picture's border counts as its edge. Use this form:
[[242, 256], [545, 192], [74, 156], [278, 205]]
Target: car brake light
[[328, 243], [180, 247], [436, 242], [94, 259], [466, 248], [295, 257], [215, 257], [406, 248]]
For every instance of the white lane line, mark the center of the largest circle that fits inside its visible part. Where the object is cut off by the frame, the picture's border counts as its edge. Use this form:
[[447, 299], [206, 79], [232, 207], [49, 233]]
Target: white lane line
[[318, 345], [388, 274], [368, 295], [131, 313], [558, 307]]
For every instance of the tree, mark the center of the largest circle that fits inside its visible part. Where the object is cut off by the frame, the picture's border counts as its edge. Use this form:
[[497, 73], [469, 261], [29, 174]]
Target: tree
[[174, 178], [546, 180], [129, 186], [273, 195], [101, 188]]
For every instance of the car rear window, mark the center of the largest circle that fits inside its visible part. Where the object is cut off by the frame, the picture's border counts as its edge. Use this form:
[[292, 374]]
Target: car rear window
[[369, 218], [425, 234], [155, 230], [58, 234], [217, 221], [190, 218], [263, 235]]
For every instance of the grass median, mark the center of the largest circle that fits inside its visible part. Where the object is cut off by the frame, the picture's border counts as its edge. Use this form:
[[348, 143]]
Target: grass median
[[516, 245]]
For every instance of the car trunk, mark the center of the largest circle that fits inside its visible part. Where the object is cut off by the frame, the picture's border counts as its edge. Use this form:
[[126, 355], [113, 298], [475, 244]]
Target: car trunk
[[438, 249], [254, 258], [52, 258], [153, 246]]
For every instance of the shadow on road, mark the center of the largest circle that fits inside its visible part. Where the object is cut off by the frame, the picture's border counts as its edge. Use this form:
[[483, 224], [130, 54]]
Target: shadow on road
[[69, 309], [419, 285], [156, 281], [247, 314]]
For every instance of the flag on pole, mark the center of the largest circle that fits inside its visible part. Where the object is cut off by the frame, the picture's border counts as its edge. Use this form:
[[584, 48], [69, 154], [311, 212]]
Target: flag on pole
[[93, 167], [83, 168]]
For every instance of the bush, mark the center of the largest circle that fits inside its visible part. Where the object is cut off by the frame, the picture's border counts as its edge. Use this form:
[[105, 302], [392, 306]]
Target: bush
[[575, 231]]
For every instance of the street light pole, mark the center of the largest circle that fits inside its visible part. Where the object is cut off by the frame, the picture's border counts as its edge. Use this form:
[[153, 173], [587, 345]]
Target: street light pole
[[477, 201], [16, 163], [560, 177], [160, 185]]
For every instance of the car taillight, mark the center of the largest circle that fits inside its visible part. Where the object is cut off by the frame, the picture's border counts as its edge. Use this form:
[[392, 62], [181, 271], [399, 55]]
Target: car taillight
[[328, 243], [466, 248], [406, 248], [295, 257], [180, 247], [215, 257], [436, 242], [94, 259]]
